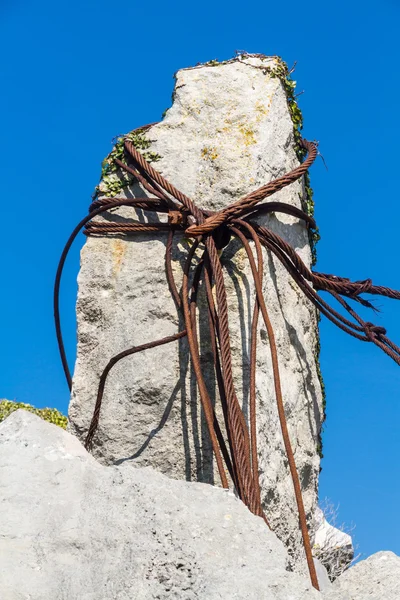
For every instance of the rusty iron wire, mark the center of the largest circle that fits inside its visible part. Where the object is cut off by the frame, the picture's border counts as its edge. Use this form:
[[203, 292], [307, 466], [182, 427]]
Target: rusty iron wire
[[236, 451]]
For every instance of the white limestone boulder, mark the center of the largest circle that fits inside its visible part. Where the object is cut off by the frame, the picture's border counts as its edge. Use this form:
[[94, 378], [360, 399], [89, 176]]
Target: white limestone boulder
[[376, 578], [75, 529]]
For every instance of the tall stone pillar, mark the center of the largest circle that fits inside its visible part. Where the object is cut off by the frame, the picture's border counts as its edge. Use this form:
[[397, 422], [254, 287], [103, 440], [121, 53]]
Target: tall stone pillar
[[228, 132]]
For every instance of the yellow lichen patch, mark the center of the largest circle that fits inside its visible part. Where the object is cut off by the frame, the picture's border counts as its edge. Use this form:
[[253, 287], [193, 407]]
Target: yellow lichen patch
[[294, 286], [209, 153], [118, 251], [262, 109], [241, 259], [248, 135]]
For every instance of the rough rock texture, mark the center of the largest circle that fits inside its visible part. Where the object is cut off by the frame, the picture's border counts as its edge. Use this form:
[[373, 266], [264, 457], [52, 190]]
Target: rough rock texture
[[78, 529], [376, 578], [228, 132]]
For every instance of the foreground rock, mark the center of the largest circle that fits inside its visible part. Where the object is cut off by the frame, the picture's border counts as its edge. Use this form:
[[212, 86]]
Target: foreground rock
[[376, 578], [77, 529], [228, 132]]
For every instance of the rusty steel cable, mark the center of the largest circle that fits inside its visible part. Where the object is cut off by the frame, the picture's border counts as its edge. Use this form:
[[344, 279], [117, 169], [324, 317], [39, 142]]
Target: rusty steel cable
[[195, 357], [234, 443], [113, 203], [279, 399], [113, 361]]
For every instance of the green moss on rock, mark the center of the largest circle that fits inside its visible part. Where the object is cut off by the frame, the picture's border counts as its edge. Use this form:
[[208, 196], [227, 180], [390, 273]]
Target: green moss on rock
[[113, 179], [52, 415], [281, 71]]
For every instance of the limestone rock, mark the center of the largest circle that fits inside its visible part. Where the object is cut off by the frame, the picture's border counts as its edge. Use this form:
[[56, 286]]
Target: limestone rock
[[376, 578], [78, 529], [228, 132]]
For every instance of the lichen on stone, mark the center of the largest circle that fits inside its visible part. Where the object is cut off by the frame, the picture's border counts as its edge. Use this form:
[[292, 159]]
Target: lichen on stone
[[209, 153], [52, 415], [113, 180], [248, 135], [282, 72]]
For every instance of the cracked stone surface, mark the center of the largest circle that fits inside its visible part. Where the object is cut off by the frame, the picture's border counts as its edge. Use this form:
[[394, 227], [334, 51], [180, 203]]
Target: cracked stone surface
[[228, 132]]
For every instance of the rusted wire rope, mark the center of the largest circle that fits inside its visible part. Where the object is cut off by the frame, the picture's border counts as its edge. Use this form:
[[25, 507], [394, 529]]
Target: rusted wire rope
[[56, 295], [193, 348], [237, 424], [214, 336], [253, 355], [299, 272], [279, 400], [212, 231], [193, 307], [113, 361], [237, 208]]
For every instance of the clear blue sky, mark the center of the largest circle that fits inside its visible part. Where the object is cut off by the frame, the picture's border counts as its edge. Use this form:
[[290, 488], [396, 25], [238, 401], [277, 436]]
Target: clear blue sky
[[75, 74]]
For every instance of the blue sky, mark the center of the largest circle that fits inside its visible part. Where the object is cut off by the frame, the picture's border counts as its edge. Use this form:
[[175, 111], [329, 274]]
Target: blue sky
[[76, 74]]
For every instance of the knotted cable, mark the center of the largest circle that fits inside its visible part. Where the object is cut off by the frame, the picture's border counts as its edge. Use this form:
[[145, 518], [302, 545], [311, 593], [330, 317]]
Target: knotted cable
[[237, 449]]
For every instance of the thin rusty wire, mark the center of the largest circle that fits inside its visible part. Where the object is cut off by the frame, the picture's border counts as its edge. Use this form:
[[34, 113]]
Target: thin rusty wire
[[212, 231]]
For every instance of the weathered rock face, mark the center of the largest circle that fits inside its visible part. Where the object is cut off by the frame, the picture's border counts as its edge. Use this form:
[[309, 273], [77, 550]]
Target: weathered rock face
[[228, 132], [78, 529], [73, 528], [376, 578]]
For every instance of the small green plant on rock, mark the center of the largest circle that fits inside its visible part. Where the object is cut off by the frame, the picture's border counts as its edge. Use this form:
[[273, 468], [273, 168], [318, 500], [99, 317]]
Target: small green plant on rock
[[52, 415], [113, 179]]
